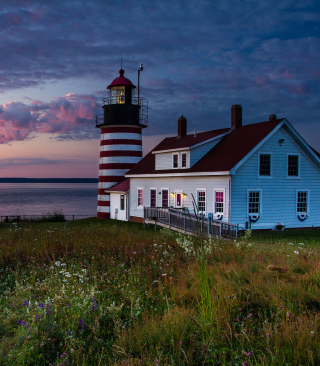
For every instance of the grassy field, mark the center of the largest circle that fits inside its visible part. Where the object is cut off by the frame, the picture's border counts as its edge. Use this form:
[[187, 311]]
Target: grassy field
[[100, 292]]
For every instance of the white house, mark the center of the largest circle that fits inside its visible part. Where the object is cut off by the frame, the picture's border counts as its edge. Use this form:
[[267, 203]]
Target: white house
[[256, 175]]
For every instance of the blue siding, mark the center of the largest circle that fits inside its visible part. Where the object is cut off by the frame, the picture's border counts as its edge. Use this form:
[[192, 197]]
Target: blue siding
[[278, 192]]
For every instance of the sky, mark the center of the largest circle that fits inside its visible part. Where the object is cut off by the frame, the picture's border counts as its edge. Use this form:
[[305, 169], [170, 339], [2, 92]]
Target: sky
[[199, 57]]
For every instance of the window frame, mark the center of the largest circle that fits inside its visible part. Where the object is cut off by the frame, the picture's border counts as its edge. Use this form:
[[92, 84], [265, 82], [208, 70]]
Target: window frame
[[173, 162], [165, 189], [216, 190], [205, 200], [139, 205], [259, 164], [260, 202], [150, 198], [122, 202], [182, 155], [307, 191], [287, 166]]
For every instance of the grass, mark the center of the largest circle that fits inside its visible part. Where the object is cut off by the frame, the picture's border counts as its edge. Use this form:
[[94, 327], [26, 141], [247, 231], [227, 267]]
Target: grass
[[101, 292]]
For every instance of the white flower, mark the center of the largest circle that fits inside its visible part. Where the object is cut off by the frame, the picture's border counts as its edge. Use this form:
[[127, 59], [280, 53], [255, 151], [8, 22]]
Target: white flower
[[301, 244], [290, 243], [296, 252], [58, 264]]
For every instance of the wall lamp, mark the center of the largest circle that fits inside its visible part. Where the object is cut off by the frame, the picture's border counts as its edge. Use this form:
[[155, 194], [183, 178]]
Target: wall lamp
[[184, 194], [281, 141], [172, 194]]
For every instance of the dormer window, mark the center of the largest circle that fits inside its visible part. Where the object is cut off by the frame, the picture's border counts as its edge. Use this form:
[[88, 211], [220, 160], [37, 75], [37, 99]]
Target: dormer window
[[175, 160], [184, 160]]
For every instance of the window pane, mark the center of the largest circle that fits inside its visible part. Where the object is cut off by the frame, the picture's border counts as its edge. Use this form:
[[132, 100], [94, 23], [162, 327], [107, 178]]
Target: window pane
[[122, 202], [184, 160], [140, 197], [179, 200], [302, 202], [165, 198], [219, 202], [254, 202], [293, 165], [201, 200], [265, 164], [175, 161], [153, 197]]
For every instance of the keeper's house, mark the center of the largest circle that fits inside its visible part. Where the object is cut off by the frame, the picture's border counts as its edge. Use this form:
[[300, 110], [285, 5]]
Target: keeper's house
[[259, 176]]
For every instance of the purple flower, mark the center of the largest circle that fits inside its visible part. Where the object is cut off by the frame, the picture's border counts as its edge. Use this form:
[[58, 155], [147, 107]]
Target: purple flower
[[249, 354], [268, 334], [245, 363], [20, 322], [181, 343], [69, 304], [80, 321], [240, 309]]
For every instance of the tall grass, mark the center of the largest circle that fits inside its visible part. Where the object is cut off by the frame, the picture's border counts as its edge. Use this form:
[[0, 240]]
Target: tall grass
[[100, 292]]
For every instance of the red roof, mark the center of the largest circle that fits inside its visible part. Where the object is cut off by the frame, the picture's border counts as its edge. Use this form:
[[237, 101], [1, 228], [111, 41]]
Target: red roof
[[222, 157], [123, 186], [188, 140], [121, 81]]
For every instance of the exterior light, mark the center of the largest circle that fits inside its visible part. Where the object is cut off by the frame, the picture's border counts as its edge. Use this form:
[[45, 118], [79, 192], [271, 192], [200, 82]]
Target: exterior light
[[172, 194]]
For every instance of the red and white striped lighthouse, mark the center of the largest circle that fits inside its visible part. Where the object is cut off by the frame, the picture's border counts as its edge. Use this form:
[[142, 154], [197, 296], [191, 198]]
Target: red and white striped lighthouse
[[121, 125]]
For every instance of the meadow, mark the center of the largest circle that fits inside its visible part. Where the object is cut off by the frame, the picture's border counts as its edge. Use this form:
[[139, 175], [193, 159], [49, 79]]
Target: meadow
[[101, 292]]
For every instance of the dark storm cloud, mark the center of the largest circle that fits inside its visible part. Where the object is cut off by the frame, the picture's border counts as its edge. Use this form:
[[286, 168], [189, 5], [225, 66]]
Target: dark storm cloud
[[200, 57]]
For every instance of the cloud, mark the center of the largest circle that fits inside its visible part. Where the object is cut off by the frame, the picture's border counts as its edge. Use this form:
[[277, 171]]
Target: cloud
[[68, 117]]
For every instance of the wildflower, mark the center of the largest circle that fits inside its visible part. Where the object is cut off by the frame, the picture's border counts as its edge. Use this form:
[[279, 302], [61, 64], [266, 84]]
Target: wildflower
[[181, 343], [245, 363], [249, 354], [290, 244], [301, 243], [268, 335], [282, 307], [296, 252], [58, 264]]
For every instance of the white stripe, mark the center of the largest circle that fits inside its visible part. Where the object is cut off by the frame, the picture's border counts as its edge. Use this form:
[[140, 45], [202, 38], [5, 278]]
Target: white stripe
[[121, 147], [106, 184], [120, 159], [112, 172], [103, 197], [105, 209], [121, 135]]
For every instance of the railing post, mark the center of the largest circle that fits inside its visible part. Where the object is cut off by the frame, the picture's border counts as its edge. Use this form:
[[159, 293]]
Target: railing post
[[144, 217], [184, 224], [169, 218]]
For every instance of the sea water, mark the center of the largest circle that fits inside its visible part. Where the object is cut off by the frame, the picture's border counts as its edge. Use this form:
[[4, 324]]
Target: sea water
[[48, 198]]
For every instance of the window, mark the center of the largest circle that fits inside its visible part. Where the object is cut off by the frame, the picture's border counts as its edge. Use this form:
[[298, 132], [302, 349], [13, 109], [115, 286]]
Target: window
[[122, 202], [254, 202], [175, 160], [140, 197], [153, 197], [302, 201], [218, 205], [165, 198], [183, 160], [293, 165], [265, 165], [202, 201]]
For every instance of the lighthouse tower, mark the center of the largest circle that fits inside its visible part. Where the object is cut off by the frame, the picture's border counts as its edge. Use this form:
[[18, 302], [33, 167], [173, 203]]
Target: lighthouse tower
[[124, 116]]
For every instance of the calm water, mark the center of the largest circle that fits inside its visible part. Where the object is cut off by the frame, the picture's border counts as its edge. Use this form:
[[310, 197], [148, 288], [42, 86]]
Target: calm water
[[44, 198]]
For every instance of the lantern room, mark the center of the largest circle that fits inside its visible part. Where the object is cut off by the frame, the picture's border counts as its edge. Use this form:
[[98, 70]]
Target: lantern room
[[121, 107]]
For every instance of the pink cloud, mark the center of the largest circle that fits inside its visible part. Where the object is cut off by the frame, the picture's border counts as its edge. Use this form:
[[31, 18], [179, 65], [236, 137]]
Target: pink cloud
[[70, 115]]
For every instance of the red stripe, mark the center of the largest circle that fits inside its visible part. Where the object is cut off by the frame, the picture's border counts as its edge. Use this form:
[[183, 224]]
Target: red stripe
[[111, 179], [121, 142], [121, 129], [103, 215], [116, 166], [102, 192], [104, 154], [104, 203]]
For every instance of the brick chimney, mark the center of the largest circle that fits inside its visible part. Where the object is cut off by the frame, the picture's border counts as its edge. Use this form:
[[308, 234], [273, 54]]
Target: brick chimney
[[236, 116], [272, 117], [182, 126]]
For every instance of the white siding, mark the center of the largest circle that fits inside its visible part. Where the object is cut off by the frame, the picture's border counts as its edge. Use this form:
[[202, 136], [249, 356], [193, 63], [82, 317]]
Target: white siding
[[198, 152], [278, 192], [188, 185]]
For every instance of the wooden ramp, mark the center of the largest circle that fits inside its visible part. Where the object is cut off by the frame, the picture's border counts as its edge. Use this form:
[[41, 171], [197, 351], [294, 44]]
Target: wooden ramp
[[184, 222]]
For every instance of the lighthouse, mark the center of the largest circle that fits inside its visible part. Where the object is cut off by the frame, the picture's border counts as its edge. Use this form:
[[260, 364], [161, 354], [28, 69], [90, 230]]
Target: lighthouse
[[124, 116]]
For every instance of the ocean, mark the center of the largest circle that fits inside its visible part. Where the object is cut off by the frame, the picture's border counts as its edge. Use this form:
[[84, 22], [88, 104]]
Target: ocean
[[18, 199]]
